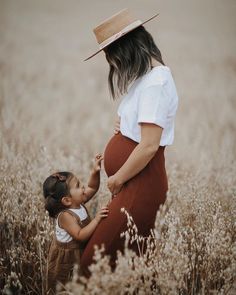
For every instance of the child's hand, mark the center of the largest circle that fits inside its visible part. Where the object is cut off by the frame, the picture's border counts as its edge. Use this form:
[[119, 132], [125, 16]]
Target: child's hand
[[102, 213], [97, 162], [117, 126]]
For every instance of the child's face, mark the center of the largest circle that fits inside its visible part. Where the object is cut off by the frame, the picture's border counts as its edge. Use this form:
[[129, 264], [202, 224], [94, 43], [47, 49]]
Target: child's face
[[77, 191]]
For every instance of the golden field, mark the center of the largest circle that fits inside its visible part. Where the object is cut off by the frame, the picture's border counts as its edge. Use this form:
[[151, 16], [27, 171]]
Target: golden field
[[56, 114]]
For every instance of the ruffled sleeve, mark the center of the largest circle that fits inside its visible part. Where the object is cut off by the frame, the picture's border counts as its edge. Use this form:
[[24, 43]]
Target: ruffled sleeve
[[153, 105]]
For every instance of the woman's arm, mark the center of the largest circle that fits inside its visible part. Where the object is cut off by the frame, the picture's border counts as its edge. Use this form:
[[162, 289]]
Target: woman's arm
[[139, 158], [69, 224]]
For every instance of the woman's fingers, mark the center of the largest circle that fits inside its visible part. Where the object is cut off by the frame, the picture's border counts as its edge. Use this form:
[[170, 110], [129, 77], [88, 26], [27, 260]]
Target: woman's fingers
[[117, 126], [113, 185], [115, 191]]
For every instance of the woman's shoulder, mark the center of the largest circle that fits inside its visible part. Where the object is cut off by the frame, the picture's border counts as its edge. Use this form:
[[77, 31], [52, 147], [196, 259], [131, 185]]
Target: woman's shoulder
[[158, 75]]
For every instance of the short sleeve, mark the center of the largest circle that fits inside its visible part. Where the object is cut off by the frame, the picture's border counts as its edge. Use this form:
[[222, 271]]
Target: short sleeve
[[153, 105]]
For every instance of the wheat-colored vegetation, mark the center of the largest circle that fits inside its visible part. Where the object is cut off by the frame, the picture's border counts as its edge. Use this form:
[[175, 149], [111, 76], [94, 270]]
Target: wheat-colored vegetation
[[55, 114]]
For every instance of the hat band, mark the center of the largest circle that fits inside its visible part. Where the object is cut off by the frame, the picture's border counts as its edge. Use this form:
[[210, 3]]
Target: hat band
[[118, 35]]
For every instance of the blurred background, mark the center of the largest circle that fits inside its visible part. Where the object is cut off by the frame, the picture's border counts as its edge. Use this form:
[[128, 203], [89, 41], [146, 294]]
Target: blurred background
[[51, 98], [56, 114]]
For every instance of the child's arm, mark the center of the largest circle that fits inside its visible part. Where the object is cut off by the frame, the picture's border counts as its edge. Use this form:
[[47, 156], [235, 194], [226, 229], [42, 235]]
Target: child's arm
[[69, 224], [94, 180]]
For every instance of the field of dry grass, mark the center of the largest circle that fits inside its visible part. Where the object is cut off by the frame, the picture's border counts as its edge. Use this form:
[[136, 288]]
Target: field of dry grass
[[56, 113]]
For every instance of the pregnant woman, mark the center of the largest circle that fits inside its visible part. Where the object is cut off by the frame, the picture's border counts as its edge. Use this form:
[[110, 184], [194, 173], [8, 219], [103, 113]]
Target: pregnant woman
[[134, 157]]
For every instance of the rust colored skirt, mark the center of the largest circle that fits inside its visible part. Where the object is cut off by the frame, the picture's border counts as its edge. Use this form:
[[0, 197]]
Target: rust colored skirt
[[141, 196]]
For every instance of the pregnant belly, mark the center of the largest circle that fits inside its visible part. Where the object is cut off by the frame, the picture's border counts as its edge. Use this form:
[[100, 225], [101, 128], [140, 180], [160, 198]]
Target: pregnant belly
[[117, 152]]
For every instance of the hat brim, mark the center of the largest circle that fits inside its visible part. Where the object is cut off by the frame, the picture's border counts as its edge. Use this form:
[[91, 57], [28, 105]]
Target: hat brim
[[142, 23]]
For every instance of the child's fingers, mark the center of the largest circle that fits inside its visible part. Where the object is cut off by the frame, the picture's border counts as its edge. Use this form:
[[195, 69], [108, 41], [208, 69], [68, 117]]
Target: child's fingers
[[103, 215], [104, 211], [104, 208], [99, 158]]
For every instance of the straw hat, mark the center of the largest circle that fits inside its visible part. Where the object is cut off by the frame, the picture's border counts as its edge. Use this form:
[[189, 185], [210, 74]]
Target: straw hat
[[115, 27]]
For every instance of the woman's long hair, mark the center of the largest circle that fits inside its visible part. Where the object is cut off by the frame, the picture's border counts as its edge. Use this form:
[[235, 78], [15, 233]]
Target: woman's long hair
[[129, 58]]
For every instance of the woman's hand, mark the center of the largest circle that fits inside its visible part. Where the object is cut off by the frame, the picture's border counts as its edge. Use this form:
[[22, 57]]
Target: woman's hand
[[114, 185], [97, 163], [117, 126]]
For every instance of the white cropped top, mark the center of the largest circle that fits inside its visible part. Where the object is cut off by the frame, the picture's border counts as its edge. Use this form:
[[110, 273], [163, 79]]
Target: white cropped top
[[152, 98]]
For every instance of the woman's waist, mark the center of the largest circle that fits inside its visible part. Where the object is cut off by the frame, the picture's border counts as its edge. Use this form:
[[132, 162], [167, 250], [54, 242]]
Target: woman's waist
[[118, 151], [135, 135], [127, 142]]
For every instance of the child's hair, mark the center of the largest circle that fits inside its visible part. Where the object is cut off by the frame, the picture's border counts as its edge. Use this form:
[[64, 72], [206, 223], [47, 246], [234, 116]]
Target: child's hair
[[55, 187]]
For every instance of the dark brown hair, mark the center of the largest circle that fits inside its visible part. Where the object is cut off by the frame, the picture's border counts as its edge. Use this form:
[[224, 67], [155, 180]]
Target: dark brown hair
[[55, 187], [129, 58]]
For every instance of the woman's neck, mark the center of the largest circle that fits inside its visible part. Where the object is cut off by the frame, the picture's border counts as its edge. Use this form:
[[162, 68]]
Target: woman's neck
[[155, 63]]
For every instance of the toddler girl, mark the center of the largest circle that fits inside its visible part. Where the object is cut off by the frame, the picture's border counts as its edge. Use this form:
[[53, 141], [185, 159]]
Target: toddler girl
[[64, 200]]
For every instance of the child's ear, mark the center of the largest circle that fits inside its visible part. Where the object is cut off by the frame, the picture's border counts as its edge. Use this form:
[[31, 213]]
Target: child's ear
[[66, 201]]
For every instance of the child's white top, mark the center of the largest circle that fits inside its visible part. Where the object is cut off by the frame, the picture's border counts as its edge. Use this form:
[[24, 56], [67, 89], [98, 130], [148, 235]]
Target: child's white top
[[152, 98], [63, 235]]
